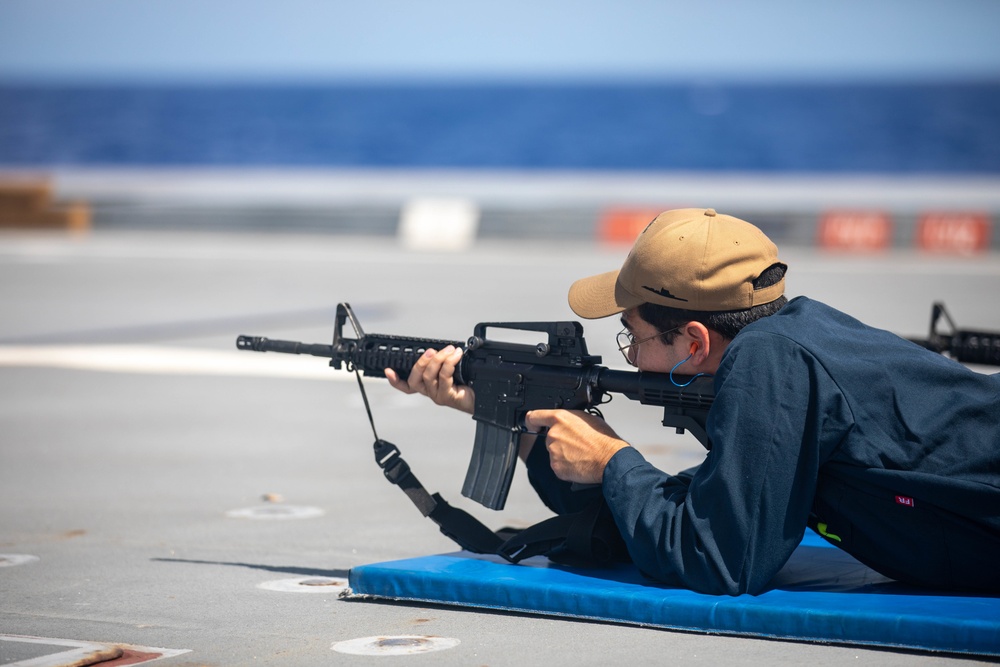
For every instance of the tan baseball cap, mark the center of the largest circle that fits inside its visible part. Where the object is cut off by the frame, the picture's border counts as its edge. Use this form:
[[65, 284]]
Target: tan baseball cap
[[690, 258]]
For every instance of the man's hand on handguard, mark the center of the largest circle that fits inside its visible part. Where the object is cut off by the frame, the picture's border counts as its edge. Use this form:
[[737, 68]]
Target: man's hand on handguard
[[580, 444], [433, 375]]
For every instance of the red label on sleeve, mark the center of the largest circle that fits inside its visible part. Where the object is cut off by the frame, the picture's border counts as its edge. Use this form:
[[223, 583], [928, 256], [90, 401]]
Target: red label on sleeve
[[903, 500]]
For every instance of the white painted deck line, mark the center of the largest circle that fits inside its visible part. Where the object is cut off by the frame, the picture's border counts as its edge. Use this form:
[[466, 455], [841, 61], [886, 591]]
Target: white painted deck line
[[168, 361]]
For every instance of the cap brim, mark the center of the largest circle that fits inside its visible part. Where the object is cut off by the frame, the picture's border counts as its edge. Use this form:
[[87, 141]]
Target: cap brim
[[600, 296]]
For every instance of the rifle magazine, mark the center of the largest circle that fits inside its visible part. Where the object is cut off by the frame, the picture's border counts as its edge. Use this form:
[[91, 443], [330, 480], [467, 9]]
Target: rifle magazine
[[494, 457]]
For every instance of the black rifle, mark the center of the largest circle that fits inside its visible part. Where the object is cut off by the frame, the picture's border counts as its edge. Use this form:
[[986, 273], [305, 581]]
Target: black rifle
[[509, 380], [964, 345]]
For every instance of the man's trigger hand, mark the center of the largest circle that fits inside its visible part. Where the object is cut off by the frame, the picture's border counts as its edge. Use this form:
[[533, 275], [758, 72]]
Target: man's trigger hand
[[580, 444]]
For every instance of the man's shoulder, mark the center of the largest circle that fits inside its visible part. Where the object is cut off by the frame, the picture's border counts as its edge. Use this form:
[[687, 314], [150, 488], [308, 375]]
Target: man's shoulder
[[803, 323], [803, 306], [798, 311]]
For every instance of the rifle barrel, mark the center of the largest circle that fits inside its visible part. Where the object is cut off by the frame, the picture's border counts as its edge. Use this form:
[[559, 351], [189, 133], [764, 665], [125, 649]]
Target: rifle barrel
[[262, 344]]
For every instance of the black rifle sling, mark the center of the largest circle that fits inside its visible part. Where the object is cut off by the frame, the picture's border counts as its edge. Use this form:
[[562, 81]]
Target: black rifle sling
[[457, 524], [588, 537], [585, 538]]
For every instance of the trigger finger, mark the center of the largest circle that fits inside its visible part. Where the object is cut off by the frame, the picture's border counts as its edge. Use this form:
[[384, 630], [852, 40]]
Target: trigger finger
[[537, 421]]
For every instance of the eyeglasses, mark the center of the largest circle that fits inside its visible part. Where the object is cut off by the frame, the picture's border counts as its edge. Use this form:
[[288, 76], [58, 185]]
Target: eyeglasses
[[627, 342]]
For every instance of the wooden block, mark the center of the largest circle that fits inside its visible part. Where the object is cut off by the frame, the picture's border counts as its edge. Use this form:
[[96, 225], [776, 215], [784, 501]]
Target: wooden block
[[19, 197]]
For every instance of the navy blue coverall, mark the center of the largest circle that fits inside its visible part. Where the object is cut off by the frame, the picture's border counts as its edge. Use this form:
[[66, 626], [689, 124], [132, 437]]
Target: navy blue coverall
[[890, 451]]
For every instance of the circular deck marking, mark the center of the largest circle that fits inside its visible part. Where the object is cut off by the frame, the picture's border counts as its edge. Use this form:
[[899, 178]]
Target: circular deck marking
[[10, 560], [398, 645], [274, 512], [328, 585]]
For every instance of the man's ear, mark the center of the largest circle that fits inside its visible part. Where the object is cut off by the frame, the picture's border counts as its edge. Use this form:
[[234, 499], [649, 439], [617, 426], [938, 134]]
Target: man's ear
[[701, 341]]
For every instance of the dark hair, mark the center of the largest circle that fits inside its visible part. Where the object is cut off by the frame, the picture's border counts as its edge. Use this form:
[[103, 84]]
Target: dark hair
[[728, 323]]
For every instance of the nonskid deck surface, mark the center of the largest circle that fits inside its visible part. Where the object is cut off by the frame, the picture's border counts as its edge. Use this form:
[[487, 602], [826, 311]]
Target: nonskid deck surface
[[159, 488]]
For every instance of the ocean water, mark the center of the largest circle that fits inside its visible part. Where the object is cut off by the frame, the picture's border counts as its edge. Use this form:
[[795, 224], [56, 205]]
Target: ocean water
[[821, 128]]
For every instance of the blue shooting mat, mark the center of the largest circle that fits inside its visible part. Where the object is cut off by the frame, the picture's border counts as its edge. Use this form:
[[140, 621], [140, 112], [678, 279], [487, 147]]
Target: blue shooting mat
[[822, 594]]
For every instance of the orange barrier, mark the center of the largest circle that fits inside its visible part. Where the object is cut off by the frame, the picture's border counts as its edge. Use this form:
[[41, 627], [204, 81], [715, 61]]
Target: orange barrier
[[28, 204], [954, 232], [623, 225], [855, 230]]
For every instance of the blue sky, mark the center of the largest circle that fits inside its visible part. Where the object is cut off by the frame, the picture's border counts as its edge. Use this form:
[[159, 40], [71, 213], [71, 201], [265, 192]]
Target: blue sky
[[76, 40]]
